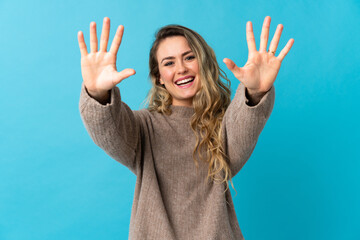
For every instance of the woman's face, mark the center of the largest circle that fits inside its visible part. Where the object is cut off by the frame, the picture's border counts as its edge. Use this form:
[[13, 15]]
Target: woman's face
[[179, 70]]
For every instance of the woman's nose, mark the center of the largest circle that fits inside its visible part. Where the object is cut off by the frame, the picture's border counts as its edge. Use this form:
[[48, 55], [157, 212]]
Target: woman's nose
[[181, 68]]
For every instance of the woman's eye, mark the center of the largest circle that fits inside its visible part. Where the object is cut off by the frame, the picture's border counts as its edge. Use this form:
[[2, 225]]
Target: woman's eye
[[190, 57], [168, 63]]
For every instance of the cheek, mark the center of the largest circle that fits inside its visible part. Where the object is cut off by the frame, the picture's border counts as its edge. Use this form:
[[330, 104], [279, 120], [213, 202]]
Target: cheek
[[166, 75], [195, 67]]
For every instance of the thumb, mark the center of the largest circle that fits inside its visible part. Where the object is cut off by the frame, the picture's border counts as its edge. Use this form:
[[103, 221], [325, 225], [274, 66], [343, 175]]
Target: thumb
[[233, 68], [124, 74]]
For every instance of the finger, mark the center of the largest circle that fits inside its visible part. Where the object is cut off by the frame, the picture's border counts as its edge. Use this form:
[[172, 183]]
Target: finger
[[250, 37], [124, 74], [82, 45], [105, 34], [117, 40], [275, 41], [93, 38], [233, 68], [264, 34], [286, 49]]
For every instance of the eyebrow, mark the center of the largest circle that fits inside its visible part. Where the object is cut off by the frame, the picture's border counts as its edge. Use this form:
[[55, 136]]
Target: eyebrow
[[171, 57]]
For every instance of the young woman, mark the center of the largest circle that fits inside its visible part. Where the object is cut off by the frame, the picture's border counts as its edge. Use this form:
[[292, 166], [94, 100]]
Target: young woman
[[192, 139]]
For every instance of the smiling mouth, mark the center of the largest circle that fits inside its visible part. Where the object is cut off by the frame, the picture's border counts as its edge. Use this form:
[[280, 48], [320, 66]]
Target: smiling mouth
[[185, 81]]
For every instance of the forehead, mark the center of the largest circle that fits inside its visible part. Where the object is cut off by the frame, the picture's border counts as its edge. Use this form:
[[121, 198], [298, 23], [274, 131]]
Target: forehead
[[172, 46]]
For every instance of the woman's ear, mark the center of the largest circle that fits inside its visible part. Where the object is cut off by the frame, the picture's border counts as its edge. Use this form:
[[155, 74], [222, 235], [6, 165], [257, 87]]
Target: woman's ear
[[161, 81]]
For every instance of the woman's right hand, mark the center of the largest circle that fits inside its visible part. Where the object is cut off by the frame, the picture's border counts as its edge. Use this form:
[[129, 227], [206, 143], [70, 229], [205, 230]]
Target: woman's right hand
[[98, 68]]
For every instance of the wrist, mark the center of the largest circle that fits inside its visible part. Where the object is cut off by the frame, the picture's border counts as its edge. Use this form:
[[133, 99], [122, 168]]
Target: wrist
[[102, 97], [255, 93], [253, 97]]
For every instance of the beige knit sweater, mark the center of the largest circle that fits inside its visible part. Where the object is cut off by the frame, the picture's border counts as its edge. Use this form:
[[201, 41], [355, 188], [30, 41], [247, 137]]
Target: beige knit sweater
[[172, 200]]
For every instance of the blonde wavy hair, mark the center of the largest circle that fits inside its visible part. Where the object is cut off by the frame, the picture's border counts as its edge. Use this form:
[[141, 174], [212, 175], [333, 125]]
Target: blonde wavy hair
[[210, 102]]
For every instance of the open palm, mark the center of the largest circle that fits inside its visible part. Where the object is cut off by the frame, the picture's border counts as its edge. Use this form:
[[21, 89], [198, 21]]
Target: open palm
[[98, 68], [260, 71]]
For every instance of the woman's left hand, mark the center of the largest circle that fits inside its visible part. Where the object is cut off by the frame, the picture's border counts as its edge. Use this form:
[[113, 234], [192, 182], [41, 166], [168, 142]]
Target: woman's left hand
[[260, 71]]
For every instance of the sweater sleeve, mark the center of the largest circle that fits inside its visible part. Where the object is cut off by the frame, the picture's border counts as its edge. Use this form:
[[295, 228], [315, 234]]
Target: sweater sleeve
[[113, 127], [242, 125]]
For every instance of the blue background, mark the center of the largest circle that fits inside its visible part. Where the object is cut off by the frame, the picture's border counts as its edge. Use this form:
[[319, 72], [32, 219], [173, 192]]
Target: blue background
[[302, 181]]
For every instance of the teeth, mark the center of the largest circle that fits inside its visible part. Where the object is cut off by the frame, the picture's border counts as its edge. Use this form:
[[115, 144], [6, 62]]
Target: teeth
[[184, 81]]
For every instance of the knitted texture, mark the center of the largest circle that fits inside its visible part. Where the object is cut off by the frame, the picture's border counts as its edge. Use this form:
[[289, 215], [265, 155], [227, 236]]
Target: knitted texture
[[172, 199]]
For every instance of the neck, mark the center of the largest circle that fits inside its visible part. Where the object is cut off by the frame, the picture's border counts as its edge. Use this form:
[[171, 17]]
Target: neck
[[183, 103]]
